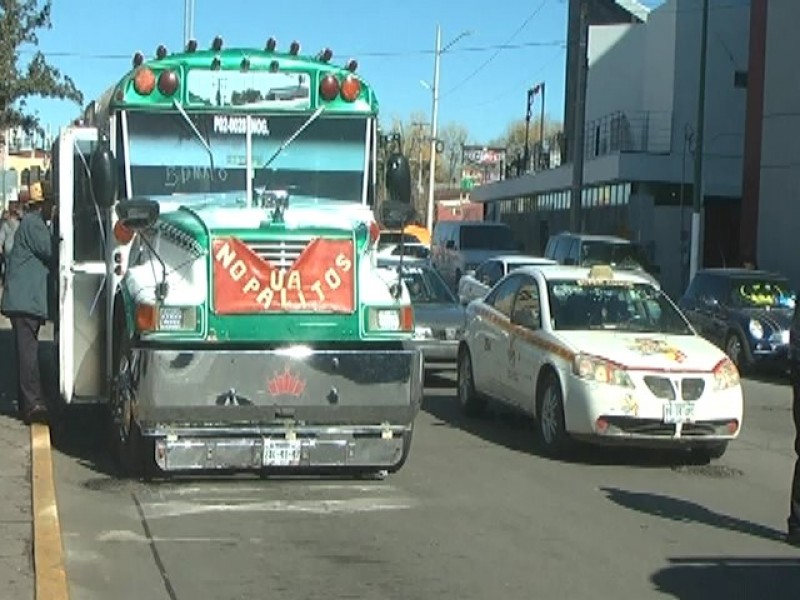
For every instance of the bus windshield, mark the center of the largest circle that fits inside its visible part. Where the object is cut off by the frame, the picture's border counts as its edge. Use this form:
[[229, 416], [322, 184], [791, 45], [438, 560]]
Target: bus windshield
[[166, 156]]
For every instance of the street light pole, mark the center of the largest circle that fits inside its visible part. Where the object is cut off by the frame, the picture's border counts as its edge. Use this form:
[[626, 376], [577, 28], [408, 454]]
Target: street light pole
[[435, 115], [434, 119], [694, 257]]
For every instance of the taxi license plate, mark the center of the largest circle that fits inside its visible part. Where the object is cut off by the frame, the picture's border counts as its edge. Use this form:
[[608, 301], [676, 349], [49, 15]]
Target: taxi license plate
[[281, 453], [679, 412]]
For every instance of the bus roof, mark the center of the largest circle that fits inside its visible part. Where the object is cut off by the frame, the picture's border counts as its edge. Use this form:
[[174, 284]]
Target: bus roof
[[247, 80]]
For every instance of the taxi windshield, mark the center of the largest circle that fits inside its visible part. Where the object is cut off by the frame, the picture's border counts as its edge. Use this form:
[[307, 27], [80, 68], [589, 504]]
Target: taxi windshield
[[624, 306], [763, 293]]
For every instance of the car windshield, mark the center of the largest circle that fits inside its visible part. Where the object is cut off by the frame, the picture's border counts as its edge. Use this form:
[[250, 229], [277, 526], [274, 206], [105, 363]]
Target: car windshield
[[763, 293], [426, 286], [624, 306], [412, 250], [486, 237], [617, 254]]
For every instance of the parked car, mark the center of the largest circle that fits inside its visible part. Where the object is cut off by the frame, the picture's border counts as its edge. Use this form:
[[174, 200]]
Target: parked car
[[601, 356], [461, 246], [477, 283], [585, 250], [438, 317], [747, 313]]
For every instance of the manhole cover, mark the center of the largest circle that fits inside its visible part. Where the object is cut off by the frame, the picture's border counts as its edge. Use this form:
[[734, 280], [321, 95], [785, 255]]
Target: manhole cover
[[714, 471]]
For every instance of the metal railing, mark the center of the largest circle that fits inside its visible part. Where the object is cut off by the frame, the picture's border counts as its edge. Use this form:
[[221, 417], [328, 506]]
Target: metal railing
[[644, 132]]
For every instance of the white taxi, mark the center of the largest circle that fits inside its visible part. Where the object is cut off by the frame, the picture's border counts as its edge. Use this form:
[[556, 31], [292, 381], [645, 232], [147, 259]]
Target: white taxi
[[599, 356]]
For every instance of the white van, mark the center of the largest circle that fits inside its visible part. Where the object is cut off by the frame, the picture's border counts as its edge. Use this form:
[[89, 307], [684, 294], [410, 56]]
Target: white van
[[460, 246]]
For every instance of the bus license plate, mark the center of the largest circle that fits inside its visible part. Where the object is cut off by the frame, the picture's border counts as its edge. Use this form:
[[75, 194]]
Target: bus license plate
[[679, 412], [281, 453]]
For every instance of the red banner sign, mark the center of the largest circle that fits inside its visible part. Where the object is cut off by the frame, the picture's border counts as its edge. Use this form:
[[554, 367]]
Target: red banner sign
[[321, 279]]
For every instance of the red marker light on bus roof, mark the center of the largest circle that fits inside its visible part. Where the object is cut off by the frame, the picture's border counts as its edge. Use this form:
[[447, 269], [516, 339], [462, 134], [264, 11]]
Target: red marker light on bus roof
[[245, 64], [191, 46], [216, 64], [351, 88], [294, 49], [138, 59], [326, 55], [352, 65], [272, 43], [216, 45], [168, 83], [329, 87], [161, 51], [144, 82], [274, 66]]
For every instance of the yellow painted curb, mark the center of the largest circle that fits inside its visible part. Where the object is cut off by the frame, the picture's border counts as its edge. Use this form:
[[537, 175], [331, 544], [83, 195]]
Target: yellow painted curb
[[48, 556]]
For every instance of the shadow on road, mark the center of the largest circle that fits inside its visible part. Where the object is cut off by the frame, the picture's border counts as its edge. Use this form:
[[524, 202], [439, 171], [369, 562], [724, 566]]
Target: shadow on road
[[683, 511], [727, 577], [510, 429]]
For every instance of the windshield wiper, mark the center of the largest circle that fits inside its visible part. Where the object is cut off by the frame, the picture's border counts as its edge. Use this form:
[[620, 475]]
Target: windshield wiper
[[197, 133], [293, 137]]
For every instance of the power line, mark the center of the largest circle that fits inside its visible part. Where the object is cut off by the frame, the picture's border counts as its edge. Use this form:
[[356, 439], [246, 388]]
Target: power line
[[497, 52], [519, 84], [372, 54]]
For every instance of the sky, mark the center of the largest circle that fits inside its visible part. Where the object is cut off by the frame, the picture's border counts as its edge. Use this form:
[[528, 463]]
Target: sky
[[509, 47]]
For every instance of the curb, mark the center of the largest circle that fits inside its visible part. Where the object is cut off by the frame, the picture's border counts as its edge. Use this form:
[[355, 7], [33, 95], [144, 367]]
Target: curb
[[48, 554]]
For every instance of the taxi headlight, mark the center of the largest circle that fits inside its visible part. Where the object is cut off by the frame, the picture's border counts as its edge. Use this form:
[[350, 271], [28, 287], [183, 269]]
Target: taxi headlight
[[599, 370]]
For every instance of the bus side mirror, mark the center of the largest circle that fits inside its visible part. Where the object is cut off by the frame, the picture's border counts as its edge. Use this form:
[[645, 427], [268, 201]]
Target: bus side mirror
[[103, 169], [398, 179], [138, 214]]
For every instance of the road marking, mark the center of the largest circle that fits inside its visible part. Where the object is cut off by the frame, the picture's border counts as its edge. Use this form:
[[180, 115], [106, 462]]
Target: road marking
[[48, 551], [160, 510], [124, 535]]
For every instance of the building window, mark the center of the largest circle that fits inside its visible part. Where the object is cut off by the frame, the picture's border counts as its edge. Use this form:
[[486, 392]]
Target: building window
[[740, 79]]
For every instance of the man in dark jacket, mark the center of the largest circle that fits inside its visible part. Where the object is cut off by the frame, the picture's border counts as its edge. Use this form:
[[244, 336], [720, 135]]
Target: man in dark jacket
[[25, 302]]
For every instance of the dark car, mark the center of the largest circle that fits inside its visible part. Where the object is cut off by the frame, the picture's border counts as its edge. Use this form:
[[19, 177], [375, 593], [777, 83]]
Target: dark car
[[745, 312]]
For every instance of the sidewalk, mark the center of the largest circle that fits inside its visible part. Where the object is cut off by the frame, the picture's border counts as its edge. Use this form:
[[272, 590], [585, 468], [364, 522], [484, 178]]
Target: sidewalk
[[16, 527]]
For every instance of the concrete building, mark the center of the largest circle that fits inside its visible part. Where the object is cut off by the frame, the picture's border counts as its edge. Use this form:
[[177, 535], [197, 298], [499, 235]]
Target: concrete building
[[771, 182], [641, 110]]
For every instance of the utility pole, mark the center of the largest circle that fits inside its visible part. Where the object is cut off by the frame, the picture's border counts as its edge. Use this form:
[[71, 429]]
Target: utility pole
[[694, 256], [578, 150], [188, 21], [434, 119]]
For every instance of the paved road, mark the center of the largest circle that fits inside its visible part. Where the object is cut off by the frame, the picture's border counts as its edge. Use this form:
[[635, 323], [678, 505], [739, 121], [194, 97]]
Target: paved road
[[476, 513]]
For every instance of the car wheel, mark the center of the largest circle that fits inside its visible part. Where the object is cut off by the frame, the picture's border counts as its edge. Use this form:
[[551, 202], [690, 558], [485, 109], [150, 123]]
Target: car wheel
[[736, 351], [550, 416], [471, 402]]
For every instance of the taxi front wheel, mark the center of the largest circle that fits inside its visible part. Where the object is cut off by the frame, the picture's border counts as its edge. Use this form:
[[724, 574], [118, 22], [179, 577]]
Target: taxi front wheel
[[550, 416], [472, 403]]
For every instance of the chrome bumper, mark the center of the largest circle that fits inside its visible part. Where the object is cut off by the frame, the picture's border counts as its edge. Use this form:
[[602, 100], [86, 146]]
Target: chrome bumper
[[292, 407]]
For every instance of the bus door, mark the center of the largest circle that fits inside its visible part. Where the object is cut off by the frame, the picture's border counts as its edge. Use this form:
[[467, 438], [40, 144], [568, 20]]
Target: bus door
[[82, 272]]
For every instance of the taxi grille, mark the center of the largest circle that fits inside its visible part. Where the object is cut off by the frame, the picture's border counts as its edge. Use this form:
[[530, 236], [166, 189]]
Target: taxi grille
[[281, 254], [691, 388]]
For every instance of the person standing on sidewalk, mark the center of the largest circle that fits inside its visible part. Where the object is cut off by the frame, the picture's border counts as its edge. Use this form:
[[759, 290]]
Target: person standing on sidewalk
[[25, 301], [7, 231]]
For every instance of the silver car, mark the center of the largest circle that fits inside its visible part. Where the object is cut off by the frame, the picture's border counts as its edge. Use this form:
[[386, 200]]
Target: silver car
[[439, 318]]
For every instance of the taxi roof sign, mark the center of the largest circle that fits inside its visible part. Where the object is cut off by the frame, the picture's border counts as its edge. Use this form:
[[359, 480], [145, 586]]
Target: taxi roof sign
[[601, 272]]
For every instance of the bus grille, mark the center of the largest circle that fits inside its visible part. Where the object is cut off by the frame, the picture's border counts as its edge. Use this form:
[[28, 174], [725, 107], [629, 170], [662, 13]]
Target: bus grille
[[281, 254]]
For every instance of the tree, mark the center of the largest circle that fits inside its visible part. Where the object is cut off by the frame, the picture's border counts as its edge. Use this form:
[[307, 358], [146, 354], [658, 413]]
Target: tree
[[514, 137], [19, 22], [454, 136]]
